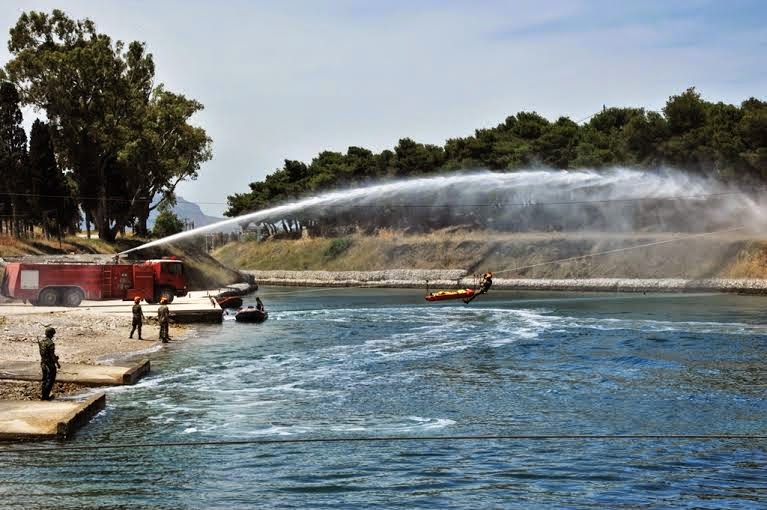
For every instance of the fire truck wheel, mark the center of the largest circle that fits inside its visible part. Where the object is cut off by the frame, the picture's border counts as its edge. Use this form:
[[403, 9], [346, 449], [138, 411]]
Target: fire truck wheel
[[166, 293], [48, 297], [73, 297]]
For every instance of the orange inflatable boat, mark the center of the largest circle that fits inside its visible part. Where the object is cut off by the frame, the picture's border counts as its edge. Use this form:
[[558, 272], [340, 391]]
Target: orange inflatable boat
[[442, 295]]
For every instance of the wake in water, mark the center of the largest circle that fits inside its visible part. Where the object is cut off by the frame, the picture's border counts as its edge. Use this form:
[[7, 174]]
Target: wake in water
[[617, 200]]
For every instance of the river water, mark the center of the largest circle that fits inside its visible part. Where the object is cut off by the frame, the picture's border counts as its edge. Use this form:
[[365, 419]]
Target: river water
[[372, 362]]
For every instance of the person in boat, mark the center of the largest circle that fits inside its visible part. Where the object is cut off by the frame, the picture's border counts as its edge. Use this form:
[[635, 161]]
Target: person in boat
[[259, 304], [484, 286], [163, 317]]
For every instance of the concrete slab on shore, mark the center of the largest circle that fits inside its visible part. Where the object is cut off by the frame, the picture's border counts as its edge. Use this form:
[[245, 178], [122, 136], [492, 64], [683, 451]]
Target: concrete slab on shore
[[25, 420], [87, 375], [195, 307]]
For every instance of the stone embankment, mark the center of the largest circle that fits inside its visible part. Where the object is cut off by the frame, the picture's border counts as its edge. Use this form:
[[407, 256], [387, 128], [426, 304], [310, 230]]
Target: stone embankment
[[391, 278], [458, 278]]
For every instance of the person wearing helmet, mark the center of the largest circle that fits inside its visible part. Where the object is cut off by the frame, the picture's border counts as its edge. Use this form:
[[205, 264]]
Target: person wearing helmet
[[48, 363], [163, 317], [484, 286], [488, 281], [138, 318]]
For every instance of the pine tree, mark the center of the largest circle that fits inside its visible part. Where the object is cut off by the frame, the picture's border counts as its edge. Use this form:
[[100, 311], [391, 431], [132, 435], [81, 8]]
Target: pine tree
[[54, 206], [13, 154]]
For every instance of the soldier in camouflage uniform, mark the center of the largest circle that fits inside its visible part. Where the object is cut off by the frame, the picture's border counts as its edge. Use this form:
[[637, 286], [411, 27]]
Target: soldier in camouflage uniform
[[48, 363], [163, 317], [138, 318]]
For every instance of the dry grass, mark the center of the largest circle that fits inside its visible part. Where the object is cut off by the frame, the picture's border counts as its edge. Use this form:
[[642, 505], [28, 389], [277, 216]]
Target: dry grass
[[725, 256], [13, 247], [750, 262]]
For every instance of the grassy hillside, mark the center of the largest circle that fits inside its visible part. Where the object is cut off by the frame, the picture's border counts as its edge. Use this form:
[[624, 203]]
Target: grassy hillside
[[204, 272], [725, 256]]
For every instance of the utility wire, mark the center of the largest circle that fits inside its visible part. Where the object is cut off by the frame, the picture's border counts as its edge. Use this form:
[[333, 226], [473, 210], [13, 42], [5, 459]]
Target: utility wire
[[584, 119], [533, 203], [490, 204], [635, 247], [391, 439]]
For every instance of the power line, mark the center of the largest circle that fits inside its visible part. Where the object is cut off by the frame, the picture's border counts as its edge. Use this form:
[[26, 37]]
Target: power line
[[108, 199], [77, 197], [500, 204], [584, 119], [383, 439], [535, 204], [635, 247], [489, 204]]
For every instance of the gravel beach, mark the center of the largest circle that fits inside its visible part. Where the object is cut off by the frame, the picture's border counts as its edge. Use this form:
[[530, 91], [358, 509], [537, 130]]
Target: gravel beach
[[81, 337]]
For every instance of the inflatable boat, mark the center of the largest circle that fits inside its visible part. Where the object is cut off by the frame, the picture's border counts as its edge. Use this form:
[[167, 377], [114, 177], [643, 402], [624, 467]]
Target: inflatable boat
[[251, 314], [442, 295], [229, 301]]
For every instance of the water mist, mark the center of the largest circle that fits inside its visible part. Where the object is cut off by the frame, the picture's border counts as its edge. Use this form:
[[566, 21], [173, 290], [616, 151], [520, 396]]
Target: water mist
[[615, 200]]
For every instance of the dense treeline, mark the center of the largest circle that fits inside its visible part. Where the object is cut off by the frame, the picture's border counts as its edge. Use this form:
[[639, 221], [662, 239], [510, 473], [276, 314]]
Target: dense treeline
[[113, 143], [33, 189], [722, 140]]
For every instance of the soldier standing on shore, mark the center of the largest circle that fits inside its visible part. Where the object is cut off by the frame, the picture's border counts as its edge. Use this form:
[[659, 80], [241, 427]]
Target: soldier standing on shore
[[138, 318], [163, 316], [48, 363]]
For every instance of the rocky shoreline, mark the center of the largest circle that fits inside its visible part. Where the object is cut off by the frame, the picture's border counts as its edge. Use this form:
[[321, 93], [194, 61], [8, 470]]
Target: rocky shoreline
[[459, 278]]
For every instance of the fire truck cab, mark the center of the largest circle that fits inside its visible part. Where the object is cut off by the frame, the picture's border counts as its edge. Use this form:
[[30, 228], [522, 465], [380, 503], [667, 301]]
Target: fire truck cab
[[168, 279]]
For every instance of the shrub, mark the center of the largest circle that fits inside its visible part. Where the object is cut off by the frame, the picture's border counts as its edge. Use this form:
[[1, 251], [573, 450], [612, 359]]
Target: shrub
[[338, 247]]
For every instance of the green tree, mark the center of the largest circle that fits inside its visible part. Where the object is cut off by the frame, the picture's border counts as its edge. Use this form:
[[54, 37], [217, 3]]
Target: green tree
[[55, 206], [360, 164], [752, 128], [13, 154], [685, 111], [557, 145], [527, 125], [728, 141], [167, 222], [326, 170], [123, 139], [643, 134], [412, 158], [161, 151]]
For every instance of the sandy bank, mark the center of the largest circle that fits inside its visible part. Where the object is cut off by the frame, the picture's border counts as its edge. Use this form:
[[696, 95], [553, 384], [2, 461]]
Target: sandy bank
[[458, 278], [82, 336]]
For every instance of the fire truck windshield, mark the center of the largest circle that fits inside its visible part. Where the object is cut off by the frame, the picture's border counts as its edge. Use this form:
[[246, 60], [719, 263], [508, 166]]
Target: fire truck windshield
[[172, 268]]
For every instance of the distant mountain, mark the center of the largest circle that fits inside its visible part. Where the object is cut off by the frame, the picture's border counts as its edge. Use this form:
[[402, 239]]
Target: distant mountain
[[190, 211]]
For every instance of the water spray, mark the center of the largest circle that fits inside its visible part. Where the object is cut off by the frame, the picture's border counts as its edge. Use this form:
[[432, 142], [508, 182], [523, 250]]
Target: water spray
[[576, 200]]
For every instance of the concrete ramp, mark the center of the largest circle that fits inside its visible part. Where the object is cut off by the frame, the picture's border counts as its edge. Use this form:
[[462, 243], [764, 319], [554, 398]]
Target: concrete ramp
[[25, 420], [86, 375]]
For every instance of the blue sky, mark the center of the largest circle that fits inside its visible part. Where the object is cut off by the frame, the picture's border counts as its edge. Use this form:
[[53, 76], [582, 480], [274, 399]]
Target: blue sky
[[292, 78]]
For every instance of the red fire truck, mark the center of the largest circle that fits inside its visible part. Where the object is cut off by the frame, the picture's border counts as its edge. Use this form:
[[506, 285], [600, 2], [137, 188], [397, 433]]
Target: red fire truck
[[67, 284]]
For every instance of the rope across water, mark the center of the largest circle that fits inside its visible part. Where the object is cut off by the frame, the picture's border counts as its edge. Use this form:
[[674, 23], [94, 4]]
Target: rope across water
[[384, 439], [617, 250]]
